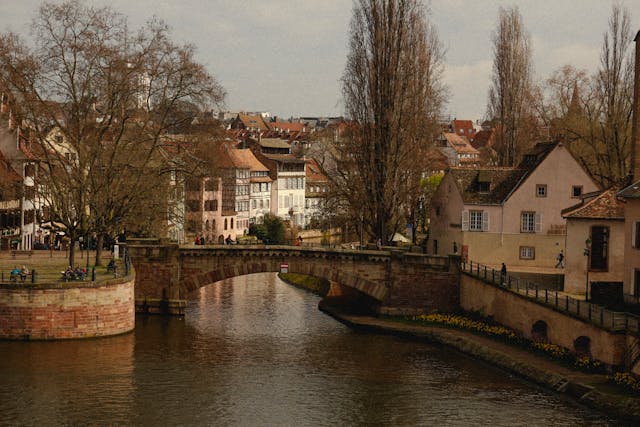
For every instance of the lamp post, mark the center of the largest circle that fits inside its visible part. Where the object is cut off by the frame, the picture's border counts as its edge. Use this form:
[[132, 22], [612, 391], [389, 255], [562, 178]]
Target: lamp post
[[587, 253]]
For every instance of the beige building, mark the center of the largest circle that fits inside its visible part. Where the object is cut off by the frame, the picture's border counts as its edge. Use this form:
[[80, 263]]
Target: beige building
[[511, 215], [631, 275], [595, 242]]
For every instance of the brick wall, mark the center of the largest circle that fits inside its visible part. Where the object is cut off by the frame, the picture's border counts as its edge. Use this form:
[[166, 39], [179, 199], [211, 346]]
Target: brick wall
[[66, 313]]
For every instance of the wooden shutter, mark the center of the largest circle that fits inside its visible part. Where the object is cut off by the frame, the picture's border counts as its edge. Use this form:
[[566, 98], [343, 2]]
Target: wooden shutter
[[465, 220], [485, 220], [538, 222]]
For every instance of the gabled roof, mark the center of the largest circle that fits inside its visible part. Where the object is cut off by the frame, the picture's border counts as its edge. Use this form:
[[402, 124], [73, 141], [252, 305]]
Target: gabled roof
[[249, 121], [460, 143], [285, 126], [606, 205], [503, 181], [632, 191], [274, 143], [244, 158], [483, 138], [462, 124]]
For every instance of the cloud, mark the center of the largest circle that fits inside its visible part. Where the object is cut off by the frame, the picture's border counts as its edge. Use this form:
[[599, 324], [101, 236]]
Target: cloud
[[468, 85]]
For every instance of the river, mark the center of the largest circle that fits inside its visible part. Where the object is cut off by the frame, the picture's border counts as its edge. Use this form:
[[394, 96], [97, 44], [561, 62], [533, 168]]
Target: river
[[254, 351]]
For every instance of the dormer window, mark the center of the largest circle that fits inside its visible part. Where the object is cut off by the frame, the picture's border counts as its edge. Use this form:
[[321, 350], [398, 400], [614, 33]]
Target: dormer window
[[483, 187]]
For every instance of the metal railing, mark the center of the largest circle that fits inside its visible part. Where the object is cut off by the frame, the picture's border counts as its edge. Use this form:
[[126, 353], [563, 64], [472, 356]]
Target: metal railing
[[48, 276], [585, 310]]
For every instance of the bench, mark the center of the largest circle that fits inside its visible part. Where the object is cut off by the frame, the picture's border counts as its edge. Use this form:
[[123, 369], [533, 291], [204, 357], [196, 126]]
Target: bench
[[15, 252]]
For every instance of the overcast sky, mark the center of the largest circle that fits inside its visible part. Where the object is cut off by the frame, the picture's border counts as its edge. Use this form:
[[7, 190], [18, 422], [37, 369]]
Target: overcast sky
[[287, 56]]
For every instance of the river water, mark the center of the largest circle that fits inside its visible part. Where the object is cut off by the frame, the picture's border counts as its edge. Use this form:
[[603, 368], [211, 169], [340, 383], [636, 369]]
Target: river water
[[254, 351]]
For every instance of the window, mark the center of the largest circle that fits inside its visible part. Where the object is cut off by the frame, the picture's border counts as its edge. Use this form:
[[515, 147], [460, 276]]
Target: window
[[435, 247], [598, 259], [527, 252], [576, 191], [636, 283], [483, 187], [636, 235], [475, 220], [210, 205], [232, 223], [225, 223], [530, 222], [541, 190]]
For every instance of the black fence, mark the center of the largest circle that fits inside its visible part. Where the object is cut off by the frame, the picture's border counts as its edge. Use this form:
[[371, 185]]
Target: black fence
[[52, 276], [585, 310]]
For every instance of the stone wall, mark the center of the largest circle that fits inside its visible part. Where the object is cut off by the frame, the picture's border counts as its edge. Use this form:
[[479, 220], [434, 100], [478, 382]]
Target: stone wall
[[401, 282], [519, 313], [65, 313]]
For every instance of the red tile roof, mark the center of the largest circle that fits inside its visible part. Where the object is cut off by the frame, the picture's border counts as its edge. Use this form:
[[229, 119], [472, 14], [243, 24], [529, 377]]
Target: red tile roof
[[313, 172], [607, 205], [285, 126], [460, 144]]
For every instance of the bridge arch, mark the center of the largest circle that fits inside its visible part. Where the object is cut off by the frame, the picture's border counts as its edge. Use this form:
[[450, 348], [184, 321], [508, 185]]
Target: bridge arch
[[375, 290], [400, 282]]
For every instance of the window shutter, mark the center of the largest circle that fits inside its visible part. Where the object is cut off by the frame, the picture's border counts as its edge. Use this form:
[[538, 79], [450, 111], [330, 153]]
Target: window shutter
[[465, 220], [538, 222], [485, 220]]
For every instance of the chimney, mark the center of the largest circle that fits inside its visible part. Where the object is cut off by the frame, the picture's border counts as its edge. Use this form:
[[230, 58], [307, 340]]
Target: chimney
[[635, 137]]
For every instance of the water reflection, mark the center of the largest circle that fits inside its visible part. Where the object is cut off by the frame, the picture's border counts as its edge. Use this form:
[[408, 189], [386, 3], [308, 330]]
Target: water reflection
[[254, 351]]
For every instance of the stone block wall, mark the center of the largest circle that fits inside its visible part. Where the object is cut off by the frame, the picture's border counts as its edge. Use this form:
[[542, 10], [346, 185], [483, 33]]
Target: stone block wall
[[66, 313], [519, 313]]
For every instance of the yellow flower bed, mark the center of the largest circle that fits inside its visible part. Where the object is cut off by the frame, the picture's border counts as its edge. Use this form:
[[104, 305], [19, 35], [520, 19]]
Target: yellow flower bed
[[627, 381], [500, 332], [466, 323]]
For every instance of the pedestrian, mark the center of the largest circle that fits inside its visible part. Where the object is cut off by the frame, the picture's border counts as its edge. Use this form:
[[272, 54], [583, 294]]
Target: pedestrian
[[503, 274], [379, 244], [24, 272], [560, 259], [299, 241]]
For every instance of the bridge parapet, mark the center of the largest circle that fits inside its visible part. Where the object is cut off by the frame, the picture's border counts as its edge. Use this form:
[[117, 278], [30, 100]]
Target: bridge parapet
[[401, 282]]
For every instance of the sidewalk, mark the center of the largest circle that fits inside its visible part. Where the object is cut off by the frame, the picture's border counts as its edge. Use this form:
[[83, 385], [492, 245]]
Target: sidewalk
[[593, 390]]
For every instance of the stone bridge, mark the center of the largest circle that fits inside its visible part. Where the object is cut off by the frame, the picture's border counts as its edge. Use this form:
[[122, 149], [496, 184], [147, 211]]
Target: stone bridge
[[397, 282]]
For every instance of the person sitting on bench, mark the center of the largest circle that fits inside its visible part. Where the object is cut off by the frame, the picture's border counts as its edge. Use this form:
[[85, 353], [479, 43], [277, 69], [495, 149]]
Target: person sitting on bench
[[24, 272], [13, 276]]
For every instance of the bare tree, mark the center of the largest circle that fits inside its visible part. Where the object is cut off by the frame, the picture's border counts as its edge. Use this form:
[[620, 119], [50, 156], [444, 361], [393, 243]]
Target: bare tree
[[97, 99], [392, 93], [511, 89], [593, 113]]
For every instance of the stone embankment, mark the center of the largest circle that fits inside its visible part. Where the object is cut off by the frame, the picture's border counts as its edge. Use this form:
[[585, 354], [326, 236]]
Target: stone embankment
[[592, 390], [54, 312]]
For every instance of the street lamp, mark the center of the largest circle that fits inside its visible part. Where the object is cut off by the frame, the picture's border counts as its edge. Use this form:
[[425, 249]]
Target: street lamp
[[587, 253]]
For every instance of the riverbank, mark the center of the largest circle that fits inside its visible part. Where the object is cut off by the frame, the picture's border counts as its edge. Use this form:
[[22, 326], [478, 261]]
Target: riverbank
[[592, 390]]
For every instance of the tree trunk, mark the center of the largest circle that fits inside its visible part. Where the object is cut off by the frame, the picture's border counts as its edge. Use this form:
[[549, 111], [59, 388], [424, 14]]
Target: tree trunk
[[72, 247], [99, 244]]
